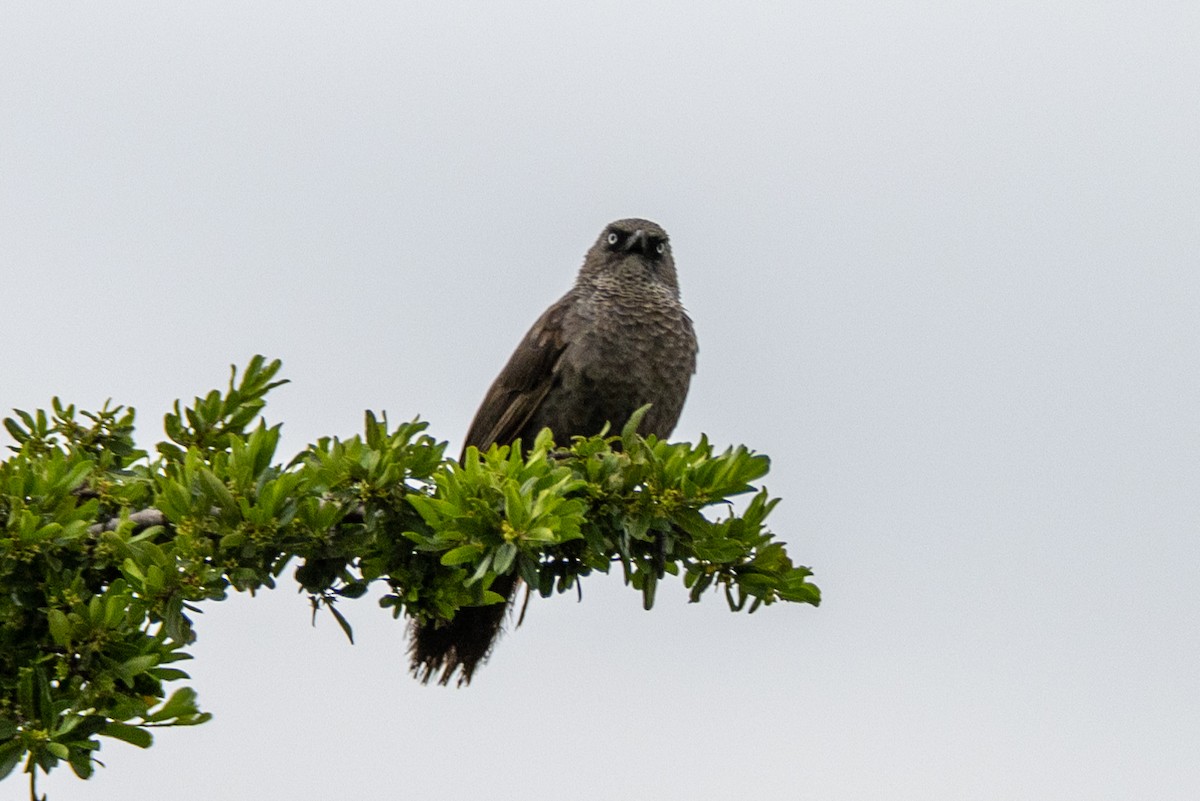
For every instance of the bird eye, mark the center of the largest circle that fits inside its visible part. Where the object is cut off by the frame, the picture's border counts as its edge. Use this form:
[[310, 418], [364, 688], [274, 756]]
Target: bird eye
[[612, 237], [661, 249]]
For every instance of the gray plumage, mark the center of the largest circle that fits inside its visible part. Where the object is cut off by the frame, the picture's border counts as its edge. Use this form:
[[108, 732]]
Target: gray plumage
[[619, 339]]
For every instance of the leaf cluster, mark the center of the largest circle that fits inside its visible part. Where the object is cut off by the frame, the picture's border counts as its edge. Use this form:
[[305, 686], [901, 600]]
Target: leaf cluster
[[106, 551]]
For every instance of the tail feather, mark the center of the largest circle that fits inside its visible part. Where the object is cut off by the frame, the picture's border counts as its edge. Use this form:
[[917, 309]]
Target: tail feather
[[463, 643]]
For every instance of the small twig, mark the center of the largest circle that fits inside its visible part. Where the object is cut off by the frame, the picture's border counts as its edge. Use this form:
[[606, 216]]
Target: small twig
[[141, 519]]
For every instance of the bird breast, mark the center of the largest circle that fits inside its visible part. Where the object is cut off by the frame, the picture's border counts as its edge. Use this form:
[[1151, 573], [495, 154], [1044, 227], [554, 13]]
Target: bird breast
[[626, 350]]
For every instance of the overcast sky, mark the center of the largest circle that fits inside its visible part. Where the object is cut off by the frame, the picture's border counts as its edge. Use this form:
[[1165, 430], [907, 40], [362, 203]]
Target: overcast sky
[[942, 260]]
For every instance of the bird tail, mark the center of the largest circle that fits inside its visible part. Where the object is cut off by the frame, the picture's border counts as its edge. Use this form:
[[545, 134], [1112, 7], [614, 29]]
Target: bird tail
[[463, 643]]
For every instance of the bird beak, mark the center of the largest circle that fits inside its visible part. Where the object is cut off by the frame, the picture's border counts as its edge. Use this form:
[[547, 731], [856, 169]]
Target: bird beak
[[637, 242]]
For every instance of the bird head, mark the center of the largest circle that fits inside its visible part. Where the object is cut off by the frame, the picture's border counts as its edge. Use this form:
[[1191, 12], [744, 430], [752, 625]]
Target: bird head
[[631, 251]]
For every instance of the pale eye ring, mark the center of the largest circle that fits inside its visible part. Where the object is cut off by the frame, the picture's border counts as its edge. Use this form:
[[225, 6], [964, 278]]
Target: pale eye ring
[[612, 238], [661, 249]]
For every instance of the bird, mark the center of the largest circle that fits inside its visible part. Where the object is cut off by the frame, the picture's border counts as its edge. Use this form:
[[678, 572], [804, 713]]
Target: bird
[[619, 339]]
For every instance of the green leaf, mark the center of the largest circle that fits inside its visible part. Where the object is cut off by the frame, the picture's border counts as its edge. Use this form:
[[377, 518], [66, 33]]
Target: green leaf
[[503, 558], [19, 434], [10, 755], [132, 667], [341, 620], [60, 627], [461, 554], [81, 763], [634, 422], [182, 703], [718, 551], [649, 587], [217, 489], [134, 735], [169, 674]]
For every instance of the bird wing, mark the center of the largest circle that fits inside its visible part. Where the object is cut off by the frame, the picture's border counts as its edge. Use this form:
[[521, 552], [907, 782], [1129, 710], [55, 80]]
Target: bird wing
[[522, 385]]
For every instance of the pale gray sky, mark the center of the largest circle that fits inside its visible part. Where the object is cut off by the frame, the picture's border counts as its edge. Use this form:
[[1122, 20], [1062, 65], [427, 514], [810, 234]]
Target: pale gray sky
[[942, 259]]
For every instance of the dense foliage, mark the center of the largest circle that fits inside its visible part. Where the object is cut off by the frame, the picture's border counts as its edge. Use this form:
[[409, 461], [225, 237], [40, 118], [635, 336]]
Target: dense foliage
[[105, 549]]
